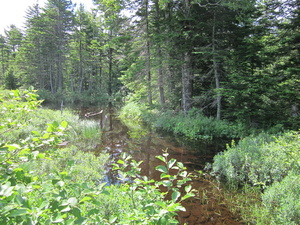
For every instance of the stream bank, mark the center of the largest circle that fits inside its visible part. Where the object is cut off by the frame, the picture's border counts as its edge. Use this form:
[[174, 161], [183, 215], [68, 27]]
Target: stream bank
[[143, 144]]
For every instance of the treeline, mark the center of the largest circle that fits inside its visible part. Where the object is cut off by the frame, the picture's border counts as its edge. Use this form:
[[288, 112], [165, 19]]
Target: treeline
[[233, 60]]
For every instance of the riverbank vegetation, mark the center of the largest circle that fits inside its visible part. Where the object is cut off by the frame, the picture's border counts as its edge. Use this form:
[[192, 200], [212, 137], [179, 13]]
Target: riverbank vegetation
[[265, 170], [44, 182], [202, 69]]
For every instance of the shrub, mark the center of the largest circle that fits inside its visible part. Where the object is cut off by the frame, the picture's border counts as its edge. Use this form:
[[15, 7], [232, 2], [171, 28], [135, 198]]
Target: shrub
[[42, 184], [272, 164], [259, 160], [196, 126], [82, 166], [282, 200]]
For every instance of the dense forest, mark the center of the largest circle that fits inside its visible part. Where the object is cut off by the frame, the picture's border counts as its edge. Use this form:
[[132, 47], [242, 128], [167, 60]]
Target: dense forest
[[231, 60]]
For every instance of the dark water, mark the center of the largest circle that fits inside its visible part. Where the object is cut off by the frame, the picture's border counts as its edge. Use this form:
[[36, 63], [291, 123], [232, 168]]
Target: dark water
[[143, 144]]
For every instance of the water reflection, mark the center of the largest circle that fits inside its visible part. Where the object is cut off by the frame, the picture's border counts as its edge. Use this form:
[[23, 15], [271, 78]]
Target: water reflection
[[143, 145]]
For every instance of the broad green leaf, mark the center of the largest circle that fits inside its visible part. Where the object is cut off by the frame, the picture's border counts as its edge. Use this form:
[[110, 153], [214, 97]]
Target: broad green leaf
[[76, 212], [180, 165], [86, 198], [180, 208], [161, 203], [188, 195], [46, 136], [67, 209], [36, 133], [162, 169], [55, 124], [120, 161], [24, 151], [171, 163], [13, 147], [160, 157], [175, 195], [188, 188], [184, 174], [72, 201], [41, 156], [167, 183], [64, 124], [163, 175], [18, 212]]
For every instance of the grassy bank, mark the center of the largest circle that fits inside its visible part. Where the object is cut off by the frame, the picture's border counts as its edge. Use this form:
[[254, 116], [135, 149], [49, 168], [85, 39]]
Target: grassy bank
[[194, 126]]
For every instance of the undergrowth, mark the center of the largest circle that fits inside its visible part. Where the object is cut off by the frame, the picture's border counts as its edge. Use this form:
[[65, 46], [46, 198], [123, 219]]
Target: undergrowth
[[194, 126], [41, 183], [269, 165]]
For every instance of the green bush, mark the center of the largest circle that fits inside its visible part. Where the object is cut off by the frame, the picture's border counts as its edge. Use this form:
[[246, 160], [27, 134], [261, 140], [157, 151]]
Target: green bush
[[271, 163], [282, 201], [82, 166], [259, 160], [132, 111], [197, 126]]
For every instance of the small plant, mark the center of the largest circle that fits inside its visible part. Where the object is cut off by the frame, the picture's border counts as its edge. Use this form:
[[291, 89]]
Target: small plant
[[148, 197]]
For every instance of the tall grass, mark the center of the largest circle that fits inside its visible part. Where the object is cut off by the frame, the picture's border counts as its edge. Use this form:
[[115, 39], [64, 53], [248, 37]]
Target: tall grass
[[84, 133]]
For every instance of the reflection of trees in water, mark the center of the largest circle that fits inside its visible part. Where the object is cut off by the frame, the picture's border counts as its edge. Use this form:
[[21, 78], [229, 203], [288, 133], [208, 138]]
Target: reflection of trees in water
[[143, 145]]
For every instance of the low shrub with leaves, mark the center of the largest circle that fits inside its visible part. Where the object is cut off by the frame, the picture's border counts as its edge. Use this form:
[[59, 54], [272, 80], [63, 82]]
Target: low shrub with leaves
[[259, 160], [196, 126], [282, 200], [148, 198], [42, 184], [271, 163]]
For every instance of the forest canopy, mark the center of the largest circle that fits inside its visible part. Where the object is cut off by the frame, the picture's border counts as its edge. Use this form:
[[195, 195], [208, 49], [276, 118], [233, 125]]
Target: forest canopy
[[232, 60]]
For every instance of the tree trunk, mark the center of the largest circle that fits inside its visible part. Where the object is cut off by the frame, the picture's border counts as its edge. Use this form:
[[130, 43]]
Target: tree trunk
[[186, 83], [187, 75], [159, 56], [215, 69], [148, 69]]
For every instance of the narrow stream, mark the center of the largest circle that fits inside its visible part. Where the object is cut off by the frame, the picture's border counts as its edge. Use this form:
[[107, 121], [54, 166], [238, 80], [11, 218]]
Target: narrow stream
[[143, 145]]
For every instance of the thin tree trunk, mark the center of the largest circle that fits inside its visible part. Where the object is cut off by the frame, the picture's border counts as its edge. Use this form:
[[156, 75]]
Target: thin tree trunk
[[215, 69], [148, 69], [51, 79], [186, 83], [159, 56], [187, 65], [110, 51]]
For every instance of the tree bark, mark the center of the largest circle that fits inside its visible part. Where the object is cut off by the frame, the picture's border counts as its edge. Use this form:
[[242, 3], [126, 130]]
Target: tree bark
[[187, 75], [186, 83], [159, 56], [148, 68], [216, 70]]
